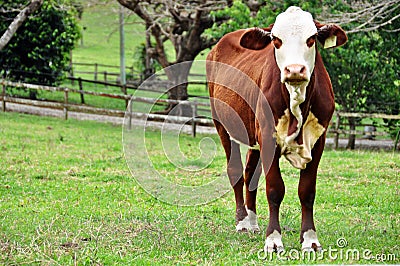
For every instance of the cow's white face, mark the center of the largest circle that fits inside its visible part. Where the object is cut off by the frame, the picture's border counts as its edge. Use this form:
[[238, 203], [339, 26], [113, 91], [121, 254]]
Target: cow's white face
[[294, 36]]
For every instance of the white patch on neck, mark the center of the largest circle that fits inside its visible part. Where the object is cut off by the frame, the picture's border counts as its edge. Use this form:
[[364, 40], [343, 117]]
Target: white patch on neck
[[249, 223], [297, 97], [298, 155], [273, 243], [310, 238]]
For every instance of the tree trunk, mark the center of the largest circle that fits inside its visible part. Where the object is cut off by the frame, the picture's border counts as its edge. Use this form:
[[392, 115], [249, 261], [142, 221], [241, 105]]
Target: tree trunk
[[351, 144], [178, 76]]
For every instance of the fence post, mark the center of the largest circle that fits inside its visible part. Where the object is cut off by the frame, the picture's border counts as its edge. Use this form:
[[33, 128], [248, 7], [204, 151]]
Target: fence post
[[337, 125], [194, 115], [130, 114], [71, 68], [66, 104], [3, 93], [105, 77], [81, 91], [396, 141], [125, 91], [95, 71], [131, 72]]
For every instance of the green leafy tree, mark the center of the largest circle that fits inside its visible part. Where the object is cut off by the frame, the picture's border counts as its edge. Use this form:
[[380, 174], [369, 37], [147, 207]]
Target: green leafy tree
[[18, 21], [39, 50], [366, 70], [365, 75], [241, 16]]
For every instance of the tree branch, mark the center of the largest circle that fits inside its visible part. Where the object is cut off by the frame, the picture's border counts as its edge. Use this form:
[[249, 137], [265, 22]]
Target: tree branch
[[368, 15], [129, 4], [18, 21]]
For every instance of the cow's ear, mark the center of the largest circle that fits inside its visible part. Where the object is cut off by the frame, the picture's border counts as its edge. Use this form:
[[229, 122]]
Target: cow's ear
[[330, 35], [256, 38]]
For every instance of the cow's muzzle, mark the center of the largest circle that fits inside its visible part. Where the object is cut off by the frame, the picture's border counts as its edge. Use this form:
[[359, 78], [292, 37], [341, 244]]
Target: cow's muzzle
[[295, 74]]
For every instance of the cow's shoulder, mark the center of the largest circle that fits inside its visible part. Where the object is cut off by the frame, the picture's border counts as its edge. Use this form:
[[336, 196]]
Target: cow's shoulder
[[227, 46], [231, 39]]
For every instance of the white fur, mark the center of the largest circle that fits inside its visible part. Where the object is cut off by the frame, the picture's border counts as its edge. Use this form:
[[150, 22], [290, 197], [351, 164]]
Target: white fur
[[274, 242], [254, 147], [249, 223], [310, 238], [297, 97], [298, 155], [293, 27]]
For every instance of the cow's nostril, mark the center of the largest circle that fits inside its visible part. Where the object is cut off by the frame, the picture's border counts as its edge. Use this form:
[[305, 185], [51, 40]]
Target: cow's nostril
[[303, 70]]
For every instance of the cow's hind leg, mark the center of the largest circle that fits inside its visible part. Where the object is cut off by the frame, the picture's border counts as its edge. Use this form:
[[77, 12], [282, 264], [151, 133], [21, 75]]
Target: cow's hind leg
[[275, 193], [235, 173], [306, 191], [252, 175]]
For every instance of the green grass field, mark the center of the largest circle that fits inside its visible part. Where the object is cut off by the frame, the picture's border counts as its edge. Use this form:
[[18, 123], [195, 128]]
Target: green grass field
[[101, 36], [67, 198]]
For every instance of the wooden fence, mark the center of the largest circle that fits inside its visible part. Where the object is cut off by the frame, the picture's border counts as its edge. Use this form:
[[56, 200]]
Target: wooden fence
[[340, 125], [66, 106], [101, 71], [134, 78], [337, 129]]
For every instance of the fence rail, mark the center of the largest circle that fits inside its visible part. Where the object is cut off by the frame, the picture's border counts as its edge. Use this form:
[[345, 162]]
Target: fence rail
[[105, 70], [66, 106], [135, 77], [337, 130]]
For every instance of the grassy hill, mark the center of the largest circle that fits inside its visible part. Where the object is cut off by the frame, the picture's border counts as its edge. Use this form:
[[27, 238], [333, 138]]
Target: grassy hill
[[100, 42], [100, 35]]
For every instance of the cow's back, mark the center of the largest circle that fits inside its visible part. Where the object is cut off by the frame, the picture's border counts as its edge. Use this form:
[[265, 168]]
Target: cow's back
[[232, 71], [229, 51]]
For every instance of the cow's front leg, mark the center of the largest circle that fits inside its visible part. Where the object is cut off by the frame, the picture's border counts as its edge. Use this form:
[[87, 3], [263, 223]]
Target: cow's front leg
[[306, 191], [275, 193]]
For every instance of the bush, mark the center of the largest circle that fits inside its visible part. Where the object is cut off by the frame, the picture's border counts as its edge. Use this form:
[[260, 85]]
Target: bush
[[39, 51]]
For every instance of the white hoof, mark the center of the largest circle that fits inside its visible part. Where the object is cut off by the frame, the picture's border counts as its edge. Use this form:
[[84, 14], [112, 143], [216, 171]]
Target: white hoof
[[274, 243], [310, 242], [249, 223]]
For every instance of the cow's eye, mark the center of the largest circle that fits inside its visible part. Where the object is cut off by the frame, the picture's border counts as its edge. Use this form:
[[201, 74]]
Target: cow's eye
[[277, 42], [310, 41]]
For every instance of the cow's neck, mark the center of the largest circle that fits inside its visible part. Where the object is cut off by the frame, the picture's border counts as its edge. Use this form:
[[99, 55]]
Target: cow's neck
[[297, 95], [298, 129]]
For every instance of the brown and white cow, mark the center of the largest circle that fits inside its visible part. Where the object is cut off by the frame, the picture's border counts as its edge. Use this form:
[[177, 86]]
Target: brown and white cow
[[274, 75]]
